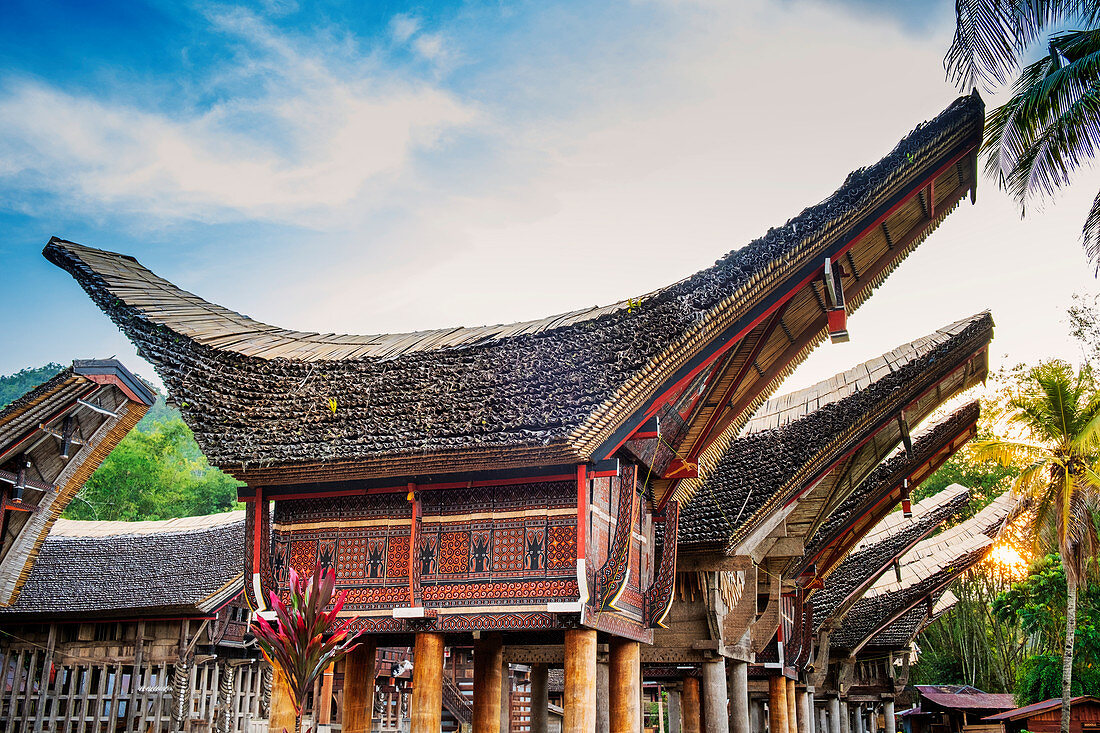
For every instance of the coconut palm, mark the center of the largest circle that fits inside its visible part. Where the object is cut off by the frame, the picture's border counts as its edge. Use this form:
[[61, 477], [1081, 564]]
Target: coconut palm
[[1058, 413], [1050, 126]]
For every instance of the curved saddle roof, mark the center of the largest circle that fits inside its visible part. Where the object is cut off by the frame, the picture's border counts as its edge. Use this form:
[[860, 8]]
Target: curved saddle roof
[[275, 405]]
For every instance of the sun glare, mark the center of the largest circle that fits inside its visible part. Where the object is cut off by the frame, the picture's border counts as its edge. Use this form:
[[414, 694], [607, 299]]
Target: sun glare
[[1008, 558]]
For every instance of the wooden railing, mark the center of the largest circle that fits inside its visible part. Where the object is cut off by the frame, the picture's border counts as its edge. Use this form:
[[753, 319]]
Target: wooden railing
[[455, 702]]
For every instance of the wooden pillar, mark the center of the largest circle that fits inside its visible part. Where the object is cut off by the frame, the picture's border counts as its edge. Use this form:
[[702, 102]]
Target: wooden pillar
[[357, 705], [845, 717], [580, 681], [660, 710], [282, 703], [505, 698], [427, 693], [822, 720], [756, 716], [674, 713], [792, 708], [625, 685], [777, 705], [603, 694], [889, 720], [803, 720], [324, 700], [488, 672], [691, 713], [739, 697], [834, 715], [716, 717], [539, 699]]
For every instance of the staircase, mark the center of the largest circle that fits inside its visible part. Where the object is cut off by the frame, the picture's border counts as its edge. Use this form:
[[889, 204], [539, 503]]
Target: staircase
[[456, 703]]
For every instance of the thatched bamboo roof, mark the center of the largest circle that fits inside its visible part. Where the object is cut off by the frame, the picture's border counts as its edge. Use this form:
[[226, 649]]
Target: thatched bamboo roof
[[889, 540], [900, 634], [278, 406], [925, 570], [94, 570], [882, 490], [94, 403], [800, 470]]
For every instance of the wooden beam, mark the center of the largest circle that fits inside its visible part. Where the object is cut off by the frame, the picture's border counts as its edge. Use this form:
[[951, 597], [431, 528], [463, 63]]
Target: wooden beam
[[712, 563]]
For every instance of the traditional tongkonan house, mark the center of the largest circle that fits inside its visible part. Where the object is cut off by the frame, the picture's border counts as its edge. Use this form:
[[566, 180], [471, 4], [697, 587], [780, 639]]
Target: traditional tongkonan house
[[506, 486], [866, 670], [749, 539], [134, 626], [51, 440]]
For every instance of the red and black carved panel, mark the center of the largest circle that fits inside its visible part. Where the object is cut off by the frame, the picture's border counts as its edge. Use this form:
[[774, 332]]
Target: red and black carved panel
[[506, 545], [612, 576], [658, 597]]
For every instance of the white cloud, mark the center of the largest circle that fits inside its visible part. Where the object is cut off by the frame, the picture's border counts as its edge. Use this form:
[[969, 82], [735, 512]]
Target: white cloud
[[403, 27], [317, 133]]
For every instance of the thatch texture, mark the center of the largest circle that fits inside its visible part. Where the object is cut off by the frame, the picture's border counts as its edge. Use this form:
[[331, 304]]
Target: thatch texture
[[96, 403], [925, 570], [890, 539], [532, 393], [93, 570], [763, 470], [880, 492]]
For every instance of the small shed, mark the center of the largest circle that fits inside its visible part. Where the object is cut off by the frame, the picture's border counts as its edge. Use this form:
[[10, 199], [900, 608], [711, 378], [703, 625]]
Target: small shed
[[957, 709], [1047, 716]]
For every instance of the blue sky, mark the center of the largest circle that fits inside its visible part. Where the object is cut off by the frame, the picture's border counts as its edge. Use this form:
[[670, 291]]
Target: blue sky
[[372, 167]]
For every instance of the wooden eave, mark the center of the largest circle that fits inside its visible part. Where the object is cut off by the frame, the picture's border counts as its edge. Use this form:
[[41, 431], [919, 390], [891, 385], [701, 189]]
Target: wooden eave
[[815, 506], [835, 552], [796, 323]]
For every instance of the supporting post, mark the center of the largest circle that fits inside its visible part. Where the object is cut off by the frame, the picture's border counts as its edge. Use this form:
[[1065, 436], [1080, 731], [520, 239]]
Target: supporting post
[[715, 712], [845, 717], [792, 709], [803, 717], [427, 693], [739, 697], [675, 714], [822, 720], [834, 715], [888, 716], [625, 685], [505, 697], [756, 715], [488, 663], [690, 712], [580, 681], [777, 704], [282, 704], [539, 699], [324, 703], [357, 706], [603, 693], [811, 714]]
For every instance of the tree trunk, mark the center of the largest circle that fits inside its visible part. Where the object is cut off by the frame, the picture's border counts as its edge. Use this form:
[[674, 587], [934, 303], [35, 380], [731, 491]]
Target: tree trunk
[[1067, 654]]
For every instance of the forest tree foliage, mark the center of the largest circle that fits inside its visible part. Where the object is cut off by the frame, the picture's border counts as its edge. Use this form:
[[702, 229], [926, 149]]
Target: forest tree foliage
[[156, 472]]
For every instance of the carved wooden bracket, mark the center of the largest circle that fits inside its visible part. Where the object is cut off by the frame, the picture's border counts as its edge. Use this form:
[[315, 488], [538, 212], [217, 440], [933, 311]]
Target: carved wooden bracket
[[765, 627], [739, 618], [821, 660]]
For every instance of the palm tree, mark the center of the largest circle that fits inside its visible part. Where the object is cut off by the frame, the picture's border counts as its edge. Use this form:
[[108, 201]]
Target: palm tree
[[1050, 126], [1059, 413]]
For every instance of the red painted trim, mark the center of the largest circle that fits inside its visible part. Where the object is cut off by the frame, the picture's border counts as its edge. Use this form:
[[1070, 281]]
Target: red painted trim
[[582, 511], [116, 382], [403, 488], [413, 541], [704, 437], [662, 398], [257, 533]]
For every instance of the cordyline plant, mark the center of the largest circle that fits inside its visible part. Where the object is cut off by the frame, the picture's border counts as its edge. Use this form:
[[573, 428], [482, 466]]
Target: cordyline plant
[[308, 639]]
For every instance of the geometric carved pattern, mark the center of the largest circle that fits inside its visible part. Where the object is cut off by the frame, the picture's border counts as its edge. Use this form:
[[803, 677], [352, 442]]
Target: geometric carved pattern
[[561, 547], [454, 552], [508, 550], [489, 546], [303, 557], [612, 577], [658, 597], [397, 560]]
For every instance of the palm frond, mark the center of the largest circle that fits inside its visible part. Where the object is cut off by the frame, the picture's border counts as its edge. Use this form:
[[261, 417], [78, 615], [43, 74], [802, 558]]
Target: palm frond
[[990, 36], [1009, 452]]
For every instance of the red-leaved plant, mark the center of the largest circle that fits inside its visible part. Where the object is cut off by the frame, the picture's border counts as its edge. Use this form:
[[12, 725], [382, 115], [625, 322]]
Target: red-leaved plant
[[308, 639]]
